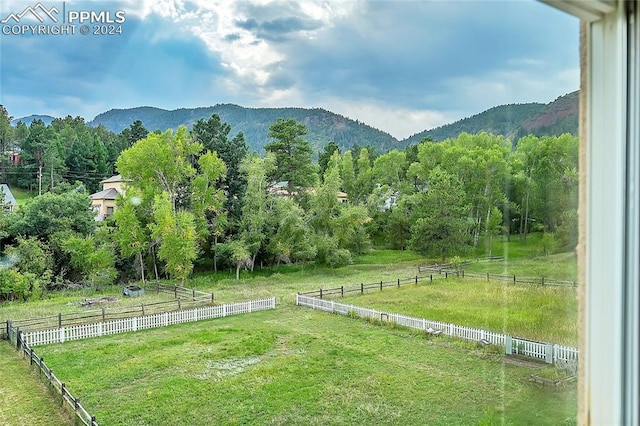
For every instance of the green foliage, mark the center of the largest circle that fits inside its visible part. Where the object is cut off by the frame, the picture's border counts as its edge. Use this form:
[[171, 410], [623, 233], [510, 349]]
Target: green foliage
[[49, 213], [31, 256], [95, 261], [440, 227], [293, 155], [18, 286], [176, 232]]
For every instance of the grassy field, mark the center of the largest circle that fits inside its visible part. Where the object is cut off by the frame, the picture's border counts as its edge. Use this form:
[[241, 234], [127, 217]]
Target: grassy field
[[22, 195], [547, 314], [296, 366], [24, 400]]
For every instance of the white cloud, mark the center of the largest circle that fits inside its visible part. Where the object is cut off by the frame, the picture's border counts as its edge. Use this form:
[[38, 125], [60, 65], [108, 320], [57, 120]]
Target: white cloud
[[400, 122]]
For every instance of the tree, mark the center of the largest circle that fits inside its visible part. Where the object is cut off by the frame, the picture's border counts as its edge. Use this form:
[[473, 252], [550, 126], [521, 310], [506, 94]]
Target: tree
[[325, 155], [348, 176], [96, 262], [130, 233], [364, 178], [136, 132], [440, 226], [49, 213], [213, 134], [161, 162], [254, 211], [176, 232], [293, 155], [6, 138]]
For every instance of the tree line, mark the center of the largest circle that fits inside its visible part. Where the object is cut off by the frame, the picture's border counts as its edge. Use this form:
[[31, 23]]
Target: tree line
[[199, 199]]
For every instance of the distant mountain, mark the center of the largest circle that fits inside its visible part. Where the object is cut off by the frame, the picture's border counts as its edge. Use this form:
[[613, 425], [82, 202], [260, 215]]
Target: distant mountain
[[323, 126], [512, 121], [47, 119]]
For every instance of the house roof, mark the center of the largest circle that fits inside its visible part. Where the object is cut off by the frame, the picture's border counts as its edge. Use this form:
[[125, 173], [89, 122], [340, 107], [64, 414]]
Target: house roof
[[8, 196], [116, 178], [107, 194]]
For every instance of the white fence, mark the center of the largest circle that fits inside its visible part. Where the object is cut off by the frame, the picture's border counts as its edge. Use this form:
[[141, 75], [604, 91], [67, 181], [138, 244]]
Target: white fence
[[545, 351], [84, 331]]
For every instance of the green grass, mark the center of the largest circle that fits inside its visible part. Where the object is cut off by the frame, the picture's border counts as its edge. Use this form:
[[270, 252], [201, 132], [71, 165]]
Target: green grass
[[24, 400], [22, 195], [547, 314], [296, 366]]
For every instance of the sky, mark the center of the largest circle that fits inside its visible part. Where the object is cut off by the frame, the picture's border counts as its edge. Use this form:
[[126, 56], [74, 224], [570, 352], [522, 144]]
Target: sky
[[399, 66]]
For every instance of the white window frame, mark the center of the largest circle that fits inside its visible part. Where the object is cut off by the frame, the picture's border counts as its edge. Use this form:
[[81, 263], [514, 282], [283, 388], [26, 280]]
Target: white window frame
[[609, 252]]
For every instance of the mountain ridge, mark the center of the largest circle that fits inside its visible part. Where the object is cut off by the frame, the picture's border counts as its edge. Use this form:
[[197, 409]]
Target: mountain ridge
[[511, 121]]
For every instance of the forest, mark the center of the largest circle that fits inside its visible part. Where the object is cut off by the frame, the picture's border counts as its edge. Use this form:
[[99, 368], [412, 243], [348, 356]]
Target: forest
[[200, 199]]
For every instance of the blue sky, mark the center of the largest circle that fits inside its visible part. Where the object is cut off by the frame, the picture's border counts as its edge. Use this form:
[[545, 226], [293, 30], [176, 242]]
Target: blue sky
[[400, 66]]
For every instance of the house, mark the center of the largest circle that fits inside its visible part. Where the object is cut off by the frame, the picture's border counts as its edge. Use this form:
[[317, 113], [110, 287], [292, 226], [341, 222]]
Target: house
[[104, 202], [281, 189], [8, 201]]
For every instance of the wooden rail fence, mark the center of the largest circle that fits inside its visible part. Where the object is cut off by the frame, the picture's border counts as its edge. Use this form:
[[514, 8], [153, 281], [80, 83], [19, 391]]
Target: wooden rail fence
[[185, 298]]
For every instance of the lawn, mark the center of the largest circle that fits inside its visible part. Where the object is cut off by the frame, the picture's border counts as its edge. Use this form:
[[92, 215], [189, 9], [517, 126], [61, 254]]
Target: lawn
[[547, 314], [24, 399], [296, 366]]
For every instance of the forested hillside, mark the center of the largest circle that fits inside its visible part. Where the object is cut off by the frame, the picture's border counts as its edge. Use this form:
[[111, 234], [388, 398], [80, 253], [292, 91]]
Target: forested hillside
[[513, 121], [199, 198], [323, 126]]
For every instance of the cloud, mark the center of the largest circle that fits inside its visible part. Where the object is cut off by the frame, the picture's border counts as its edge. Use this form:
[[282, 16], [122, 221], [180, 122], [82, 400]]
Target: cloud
[[401, 66]]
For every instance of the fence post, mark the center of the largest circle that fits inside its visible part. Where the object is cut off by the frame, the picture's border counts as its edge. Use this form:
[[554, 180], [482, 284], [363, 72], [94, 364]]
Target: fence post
[[398, 282], [446, 274], [361, 288], [514, 279], [142, 305], [416, 279], [542, 280], [487, 276], [62, 390], [175, 291], [61, 335], [380, 285], [320, 293], [508, 345], [178, 304], [193, 294], [103, 315], [548, 351], [59, 320], [341, 291], [463, 273], [431, 278]]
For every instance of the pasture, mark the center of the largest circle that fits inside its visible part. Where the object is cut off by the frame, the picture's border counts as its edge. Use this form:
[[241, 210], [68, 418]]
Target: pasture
[[297, 366]]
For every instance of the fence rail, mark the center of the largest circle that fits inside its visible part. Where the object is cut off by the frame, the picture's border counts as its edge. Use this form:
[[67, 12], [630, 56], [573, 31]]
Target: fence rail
[[184, 298], [449, 270], [550, 353], [84, 331], [55, 385]]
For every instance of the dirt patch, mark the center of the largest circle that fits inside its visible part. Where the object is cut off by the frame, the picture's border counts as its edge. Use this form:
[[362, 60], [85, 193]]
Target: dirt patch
[[523, 362], [98, 300]]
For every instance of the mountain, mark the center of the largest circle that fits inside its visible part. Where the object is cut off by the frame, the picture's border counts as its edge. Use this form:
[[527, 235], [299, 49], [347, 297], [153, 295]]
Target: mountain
[[323, 126], [47, 119], [513, 121]]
